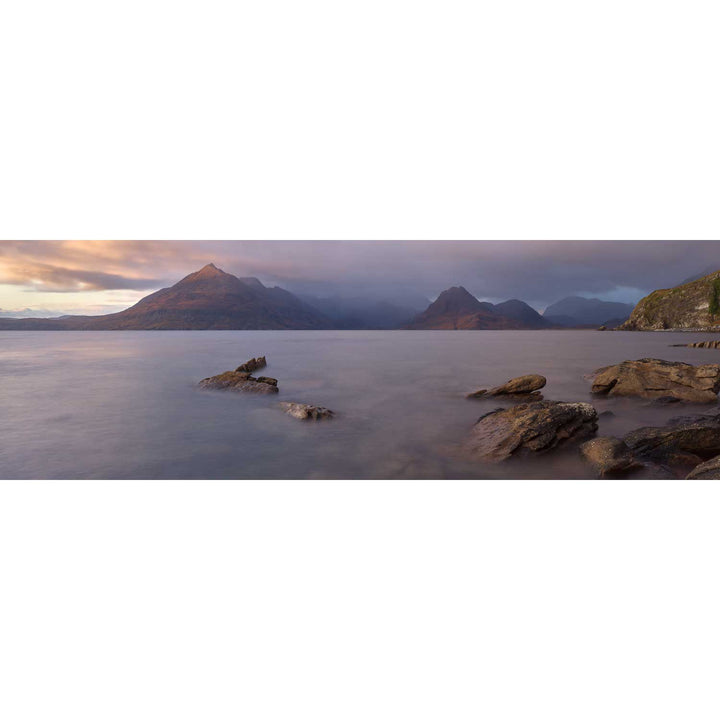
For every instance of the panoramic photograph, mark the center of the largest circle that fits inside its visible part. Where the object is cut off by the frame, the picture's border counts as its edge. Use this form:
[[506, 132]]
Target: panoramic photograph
[[360, 359]]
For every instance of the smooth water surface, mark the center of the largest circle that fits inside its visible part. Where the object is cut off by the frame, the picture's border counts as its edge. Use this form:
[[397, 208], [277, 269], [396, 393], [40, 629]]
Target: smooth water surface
[[125, 405]]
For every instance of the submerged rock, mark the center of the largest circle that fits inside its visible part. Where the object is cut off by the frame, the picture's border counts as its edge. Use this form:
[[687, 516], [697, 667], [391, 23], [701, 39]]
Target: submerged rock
[[521, 387], [665, 400], [714, 344], [529, 428], [608, 456], [239, 382], [651, 378], [476, 394], [302, 411], [252, 365], [709, 470]]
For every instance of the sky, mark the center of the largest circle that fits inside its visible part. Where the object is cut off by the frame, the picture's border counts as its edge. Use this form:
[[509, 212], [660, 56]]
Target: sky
[[100, 276]]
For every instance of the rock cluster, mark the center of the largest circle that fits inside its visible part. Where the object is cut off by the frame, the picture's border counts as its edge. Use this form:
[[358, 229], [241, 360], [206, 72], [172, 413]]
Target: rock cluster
[[529, 428], [524, 387], [683, 445], [651, 378], [240, 380]]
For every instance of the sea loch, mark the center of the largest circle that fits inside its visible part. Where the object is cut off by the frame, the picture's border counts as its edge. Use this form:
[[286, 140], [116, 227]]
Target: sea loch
[[126, 404]]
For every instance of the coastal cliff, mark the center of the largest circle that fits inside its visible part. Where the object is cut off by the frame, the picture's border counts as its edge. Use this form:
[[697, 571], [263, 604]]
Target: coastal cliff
[[693, 305]]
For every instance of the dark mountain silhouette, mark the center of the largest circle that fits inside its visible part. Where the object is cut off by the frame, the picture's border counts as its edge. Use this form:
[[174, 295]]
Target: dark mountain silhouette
[[523, 313], [208, 299], [578, 311], [457, 309]]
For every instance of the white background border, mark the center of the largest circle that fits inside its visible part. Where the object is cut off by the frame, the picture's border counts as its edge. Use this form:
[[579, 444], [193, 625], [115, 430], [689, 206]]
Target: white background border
[[390, 119]]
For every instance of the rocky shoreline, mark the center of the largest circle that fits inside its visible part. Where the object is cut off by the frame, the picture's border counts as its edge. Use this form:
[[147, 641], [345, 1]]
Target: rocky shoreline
[[687, 446]]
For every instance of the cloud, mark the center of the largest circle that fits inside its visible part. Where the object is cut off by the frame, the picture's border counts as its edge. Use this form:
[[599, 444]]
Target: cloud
[[539, 272], [53, 278]]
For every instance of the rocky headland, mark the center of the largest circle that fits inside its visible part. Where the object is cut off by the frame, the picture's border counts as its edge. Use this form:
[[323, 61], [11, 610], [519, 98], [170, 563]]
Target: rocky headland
[[693, 305]]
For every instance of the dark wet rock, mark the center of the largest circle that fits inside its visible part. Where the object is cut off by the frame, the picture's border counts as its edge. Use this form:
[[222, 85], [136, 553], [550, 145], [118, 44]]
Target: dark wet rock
[[524, 387], [477, 394], [665, 400], [609, 456], [238, 382], [713, 344], [709, 470], [252, 365], [529, 428], [653, 471], [683, 442], [301, 411], [651, 378], [268, 380]]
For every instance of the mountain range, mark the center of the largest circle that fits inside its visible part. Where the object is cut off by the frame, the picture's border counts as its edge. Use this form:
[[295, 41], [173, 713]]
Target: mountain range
[[457, 309], [211, 299], [208, 299]]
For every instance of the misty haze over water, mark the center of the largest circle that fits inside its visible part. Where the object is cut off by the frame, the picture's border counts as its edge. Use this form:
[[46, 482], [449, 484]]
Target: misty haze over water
[[125, 404]]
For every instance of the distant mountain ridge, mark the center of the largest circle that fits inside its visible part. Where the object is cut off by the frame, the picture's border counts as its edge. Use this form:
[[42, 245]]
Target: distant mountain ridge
[[457, 309], [576, 311], [362, 313], [211, 299], [208, 299]]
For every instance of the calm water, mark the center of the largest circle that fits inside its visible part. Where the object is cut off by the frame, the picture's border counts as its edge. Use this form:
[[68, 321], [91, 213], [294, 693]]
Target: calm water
[[124, 404]]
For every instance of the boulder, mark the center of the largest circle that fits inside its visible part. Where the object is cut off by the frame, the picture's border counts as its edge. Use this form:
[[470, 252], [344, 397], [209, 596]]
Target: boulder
[[602, 328], [609, 456], [239, 382], [302, 411], [252, 365], [529, 428], [522, 384], [521, 387], [709, 470], [683, 441], [651, 378]]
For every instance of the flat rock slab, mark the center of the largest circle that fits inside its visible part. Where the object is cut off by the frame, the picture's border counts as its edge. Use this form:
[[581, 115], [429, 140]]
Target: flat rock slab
[[239, 382], [651, 378], [529, 428], [301, 411], [609, 456]]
